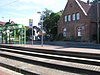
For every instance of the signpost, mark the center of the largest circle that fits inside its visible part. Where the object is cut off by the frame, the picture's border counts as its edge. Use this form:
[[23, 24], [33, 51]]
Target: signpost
[[31, 23], [31, 26]]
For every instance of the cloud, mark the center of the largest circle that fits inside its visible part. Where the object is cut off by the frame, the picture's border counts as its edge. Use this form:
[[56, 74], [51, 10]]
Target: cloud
[[25, 7], [25, 20], [35, 5], [4, 3], [23, 10], [38, 2]]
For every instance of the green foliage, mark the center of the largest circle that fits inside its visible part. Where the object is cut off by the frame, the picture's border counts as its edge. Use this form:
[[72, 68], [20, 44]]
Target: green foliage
[[50, 21], [94, 1], [46, 13], [60, 36]]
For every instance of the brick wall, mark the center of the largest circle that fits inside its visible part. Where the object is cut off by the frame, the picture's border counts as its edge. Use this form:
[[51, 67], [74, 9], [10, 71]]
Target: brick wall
[[72, 27]]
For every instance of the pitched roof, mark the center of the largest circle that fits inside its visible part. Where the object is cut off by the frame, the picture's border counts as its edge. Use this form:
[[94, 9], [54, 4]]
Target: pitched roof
[[2, 23], [84, 6]]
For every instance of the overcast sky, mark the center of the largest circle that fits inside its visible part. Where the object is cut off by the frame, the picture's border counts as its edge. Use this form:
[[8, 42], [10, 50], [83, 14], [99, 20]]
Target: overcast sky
[[22, 10]]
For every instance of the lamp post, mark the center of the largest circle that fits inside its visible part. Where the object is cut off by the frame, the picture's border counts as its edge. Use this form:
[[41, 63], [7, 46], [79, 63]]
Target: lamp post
[[41, 27], [98, 21]]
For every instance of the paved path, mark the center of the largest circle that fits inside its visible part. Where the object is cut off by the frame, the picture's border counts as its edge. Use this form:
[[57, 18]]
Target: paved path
[[69, 44]]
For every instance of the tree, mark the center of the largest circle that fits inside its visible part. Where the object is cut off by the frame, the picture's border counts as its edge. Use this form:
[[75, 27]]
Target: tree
[[47, 13], [94, 1], [50, 22]]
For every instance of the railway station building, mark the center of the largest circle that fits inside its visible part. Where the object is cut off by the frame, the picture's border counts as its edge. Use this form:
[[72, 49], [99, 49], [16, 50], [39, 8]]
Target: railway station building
[[79, 21]]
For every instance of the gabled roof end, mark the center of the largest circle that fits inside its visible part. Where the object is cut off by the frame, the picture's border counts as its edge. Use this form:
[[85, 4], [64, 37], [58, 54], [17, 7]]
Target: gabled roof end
[[81, 7]]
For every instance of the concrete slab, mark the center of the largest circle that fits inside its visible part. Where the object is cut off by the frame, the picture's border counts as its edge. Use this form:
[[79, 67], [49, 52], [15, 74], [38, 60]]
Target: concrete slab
[[5, 71]]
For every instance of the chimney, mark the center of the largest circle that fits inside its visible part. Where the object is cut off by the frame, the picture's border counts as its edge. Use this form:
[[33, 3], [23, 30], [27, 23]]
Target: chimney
[[88, 1]]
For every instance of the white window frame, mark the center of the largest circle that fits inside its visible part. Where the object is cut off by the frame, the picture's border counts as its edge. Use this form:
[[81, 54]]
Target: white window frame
[[69, 18], [64, 32], [65, 18], [79, 32], [73, 16], [78, 16]]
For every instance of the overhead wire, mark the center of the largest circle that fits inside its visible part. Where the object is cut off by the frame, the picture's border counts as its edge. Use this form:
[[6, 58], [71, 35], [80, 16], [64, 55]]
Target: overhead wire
[[9, 3]]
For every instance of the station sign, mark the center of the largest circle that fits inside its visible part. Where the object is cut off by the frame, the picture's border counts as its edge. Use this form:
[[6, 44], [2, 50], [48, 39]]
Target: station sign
[[30, 23]]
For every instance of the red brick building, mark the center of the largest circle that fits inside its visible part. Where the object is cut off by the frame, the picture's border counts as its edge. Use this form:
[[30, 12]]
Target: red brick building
[[78, 21]]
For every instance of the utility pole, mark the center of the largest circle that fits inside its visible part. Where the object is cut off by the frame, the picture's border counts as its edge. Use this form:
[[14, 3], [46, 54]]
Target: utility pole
[[98, 21], [41, 27]]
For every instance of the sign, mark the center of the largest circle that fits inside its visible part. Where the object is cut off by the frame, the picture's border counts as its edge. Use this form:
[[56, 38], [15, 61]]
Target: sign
[[30, 23]]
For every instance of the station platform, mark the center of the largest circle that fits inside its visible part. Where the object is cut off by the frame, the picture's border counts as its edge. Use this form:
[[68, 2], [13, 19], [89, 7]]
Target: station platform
[[71, 48], [66, 48]]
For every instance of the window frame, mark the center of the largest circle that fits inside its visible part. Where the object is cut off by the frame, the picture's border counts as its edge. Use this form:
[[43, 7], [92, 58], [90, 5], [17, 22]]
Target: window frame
[[64, 32], [79, 32], [78, 16], [74, 17], [65, 18], [69, 18]]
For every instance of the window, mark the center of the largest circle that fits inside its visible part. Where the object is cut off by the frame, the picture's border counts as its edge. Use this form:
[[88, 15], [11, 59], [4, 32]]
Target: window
[[65, 18], [79, 32], [64, 32], [69, 17], [73, 17], [78, 16]]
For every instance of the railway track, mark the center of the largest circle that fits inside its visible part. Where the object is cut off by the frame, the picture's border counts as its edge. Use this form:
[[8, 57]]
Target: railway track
[[61, 62]]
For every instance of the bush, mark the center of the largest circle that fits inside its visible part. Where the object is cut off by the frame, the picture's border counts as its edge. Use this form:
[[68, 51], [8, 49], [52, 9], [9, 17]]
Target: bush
[[60, 36]]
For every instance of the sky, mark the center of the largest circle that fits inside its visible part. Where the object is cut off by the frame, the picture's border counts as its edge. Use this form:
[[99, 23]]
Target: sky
[[20, 11]]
